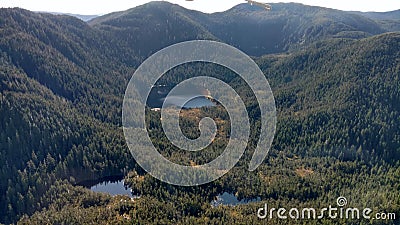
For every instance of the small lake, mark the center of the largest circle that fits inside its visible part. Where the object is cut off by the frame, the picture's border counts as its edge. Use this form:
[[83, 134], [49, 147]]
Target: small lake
[[231, 200], [113, 188], [188, 102], [189, 99], [111, 185]]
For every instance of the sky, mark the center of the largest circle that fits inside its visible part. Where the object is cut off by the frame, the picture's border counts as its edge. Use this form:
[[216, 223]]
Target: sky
[[100, 7]]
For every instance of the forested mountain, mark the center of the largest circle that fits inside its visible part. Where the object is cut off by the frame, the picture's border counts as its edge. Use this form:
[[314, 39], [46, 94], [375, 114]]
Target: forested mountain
[[341, 83], [337, 134], [69, 57], [388, 20], [61, 93], [153, 26], [335, 76], [252, 29], [287, 27]]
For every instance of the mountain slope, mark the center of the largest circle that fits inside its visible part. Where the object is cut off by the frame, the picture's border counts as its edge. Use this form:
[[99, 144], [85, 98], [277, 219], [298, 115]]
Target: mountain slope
[[251, 29], [151, 27], [67, 56], [388, 20], [60, 100], [43, 138], [393, 15], [338, 132], [341, 94], [287, 26]]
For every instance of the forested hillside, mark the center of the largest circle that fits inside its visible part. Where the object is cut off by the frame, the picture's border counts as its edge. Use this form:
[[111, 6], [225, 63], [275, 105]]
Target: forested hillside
[[335, 77], [255, 31], [60, 107], [337, 135], [342, 84]]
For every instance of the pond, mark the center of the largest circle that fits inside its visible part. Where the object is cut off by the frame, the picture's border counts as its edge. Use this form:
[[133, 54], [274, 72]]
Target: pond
[[112, 188], [188, 101], [193, 98], [115, 186], [111, 185], [228, 199]]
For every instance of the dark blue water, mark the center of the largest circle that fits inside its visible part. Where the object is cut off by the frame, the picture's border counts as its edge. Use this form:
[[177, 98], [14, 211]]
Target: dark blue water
[[231, 200], [194, 98], [112, 187], [117, 187]]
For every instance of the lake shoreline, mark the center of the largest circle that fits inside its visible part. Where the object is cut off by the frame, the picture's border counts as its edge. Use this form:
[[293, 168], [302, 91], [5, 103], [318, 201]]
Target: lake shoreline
[[93, 182]]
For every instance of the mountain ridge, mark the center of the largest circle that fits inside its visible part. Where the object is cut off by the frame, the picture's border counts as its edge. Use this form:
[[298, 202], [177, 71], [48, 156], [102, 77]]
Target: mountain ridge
[[287, 26]]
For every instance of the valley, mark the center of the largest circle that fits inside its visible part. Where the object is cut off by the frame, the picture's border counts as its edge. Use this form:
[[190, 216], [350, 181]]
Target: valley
[[335, 79]]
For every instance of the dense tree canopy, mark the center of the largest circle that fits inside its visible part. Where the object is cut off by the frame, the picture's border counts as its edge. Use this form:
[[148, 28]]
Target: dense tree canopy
[[62, 83]]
